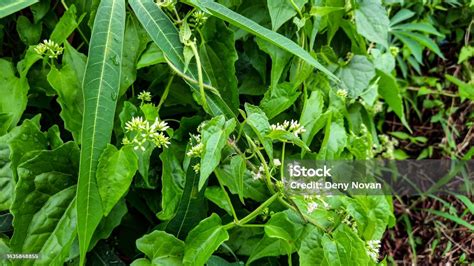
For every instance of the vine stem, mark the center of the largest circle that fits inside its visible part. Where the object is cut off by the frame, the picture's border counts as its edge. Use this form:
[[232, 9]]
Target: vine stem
[[200, 77], [234, 214], [268, 176], [254, 213]]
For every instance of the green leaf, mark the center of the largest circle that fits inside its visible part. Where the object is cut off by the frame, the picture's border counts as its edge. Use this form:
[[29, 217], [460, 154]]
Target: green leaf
[[115, 173], [285, 226], [42, 195], [8, 7], [192, 205], [285, 136], [237, 163], [172, 178], [280, 59], [390, 92], [334, 142], [281, 11], [160, 248], [421, 26], [311, 251], [7, 184], [356, 75], [67, 82], [466, 53], [151, 56], [312, 116], [203, 240], [215, 133], [248, 25], [401, 15], [372, 21], [162, 31], [344, 248], [66, 25], [218, 56], [101, 89], [258, 122], [423, 40], [217, 196], [466, 90], [269, 247], [278, 99], [29, 33]]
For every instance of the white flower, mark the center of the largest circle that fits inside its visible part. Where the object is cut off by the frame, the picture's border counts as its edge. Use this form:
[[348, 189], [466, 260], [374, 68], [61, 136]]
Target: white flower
[[341, 93], [258, 175], [196, 149], [144, 133], [197, 168], [312, 206], [49, 48], [372, 250], [144, 96], [293, 127], [276, 162]]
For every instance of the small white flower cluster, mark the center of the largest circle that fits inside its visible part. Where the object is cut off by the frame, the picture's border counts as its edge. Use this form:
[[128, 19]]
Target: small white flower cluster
[[292, 127], [387, 147], [315, 202], [342, 93], [170, 4], [199, 18], [373, 247], [197, 149], [144, 96], [145, 133], [259, 173], [49, 48], [349, 221]]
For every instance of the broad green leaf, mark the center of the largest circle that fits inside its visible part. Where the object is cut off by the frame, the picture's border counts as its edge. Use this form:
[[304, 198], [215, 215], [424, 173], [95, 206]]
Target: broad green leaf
[[192, 205], [284, 226], [45, 182], [383, 61], [217, 196], [67, 82], [160, 248], [334, 142], [108, 224], [203, 240], [324, 10], [269, 247], [8, 7], [115, 173], [29, 33], [311, 250], [355, 76], [172, 180], [281, 11], [218, 56], [312, 116], [280, 59], [14, 90], [39, 10], [7, 184], [248, 25], [162, 31], [278, 99], [218, 261], [101, 88], [257, 120], [372, 21], [390, 92], [466, 53], [215, 133], [66, 25]]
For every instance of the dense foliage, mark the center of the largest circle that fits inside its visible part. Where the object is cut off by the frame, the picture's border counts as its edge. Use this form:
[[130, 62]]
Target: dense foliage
[[155, 132]]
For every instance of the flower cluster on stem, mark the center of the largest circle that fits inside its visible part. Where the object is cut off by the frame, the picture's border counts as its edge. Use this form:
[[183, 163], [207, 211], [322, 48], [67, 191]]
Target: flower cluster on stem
[[292, 126], [49, 48], [145, 134]]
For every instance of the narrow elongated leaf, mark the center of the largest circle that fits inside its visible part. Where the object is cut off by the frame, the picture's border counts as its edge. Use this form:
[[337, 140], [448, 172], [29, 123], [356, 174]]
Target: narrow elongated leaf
[[165, 35], [248, 25], [8, 7], [101, 88], [389, 90]]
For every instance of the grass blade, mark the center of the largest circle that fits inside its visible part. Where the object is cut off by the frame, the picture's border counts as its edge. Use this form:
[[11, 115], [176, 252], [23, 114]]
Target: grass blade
[[249, 25], [100, 87], [8, 7]]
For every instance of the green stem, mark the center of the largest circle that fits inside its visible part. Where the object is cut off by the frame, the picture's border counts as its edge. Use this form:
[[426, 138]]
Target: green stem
[[200, 76], [296, 8], [165, 93], [253, 214], [282, 170], [268, 176], [234, 214]]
